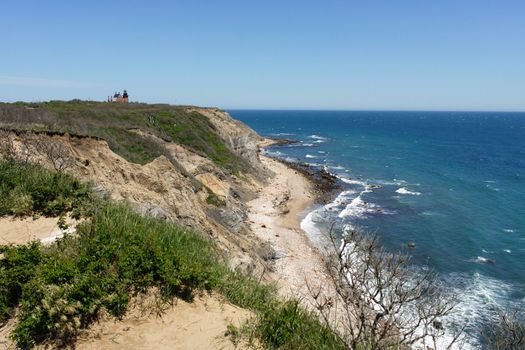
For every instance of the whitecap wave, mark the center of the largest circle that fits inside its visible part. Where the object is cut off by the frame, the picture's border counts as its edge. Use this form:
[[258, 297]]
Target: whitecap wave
[[352, 181], [404, 190], [308, 225], [507, 251], [317, 137], [310, 156], [482, 260], [495, 189], [509, 230], [359, 209]]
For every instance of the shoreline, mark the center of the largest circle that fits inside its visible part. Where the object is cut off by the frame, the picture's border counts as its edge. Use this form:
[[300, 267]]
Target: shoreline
[[274, 217]]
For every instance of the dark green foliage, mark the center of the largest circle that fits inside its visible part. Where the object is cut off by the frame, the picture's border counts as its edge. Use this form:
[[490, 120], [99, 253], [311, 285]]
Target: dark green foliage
[[113, 257], [287, 325], [278, 324], [28, 188], [16, 269], [195, 131], [131, 146]]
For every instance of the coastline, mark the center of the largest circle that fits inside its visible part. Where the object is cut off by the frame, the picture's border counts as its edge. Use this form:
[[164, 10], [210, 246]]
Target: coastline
[[274, 217]]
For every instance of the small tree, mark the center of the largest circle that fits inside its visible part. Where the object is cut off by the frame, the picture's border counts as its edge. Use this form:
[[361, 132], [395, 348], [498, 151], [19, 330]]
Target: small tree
[[381, 302], [56, 153], [12, 149]]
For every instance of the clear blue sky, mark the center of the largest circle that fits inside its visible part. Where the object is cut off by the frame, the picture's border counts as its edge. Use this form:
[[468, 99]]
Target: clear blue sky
[[324, 54]]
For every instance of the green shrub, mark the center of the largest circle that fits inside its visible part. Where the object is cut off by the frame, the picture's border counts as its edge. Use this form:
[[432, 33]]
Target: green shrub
[[287, 325], [115, 255], [21, 202], [17, 267], [27, 188], [112, 258]]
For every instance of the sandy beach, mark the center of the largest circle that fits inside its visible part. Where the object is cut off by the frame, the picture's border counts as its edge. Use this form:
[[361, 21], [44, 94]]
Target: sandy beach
[[275, 217]]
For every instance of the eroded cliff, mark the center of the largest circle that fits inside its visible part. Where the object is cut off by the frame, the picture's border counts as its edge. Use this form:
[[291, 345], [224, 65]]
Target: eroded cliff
[[194, 166]]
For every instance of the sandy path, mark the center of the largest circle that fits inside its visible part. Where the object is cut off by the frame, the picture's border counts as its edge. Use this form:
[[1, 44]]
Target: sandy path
[[21, 231], [275, 217], [198, 325], [25, 230]]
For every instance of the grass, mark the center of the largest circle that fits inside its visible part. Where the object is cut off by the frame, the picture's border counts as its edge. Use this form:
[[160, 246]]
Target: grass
[[115, 255], [28, 188], [116, 122]]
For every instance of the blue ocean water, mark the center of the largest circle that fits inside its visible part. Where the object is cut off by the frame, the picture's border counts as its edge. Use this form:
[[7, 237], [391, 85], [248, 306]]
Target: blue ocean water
[[453, 183]]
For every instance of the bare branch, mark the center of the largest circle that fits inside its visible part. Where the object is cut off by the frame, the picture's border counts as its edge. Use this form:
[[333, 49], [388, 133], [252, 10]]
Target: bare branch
[[386, 302]]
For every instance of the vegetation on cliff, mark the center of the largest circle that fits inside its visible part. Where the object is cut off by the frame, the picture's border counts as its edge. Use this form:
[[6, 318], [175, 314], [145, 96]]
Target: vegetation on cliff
[[117, 254], [29, 188], [125, 127]]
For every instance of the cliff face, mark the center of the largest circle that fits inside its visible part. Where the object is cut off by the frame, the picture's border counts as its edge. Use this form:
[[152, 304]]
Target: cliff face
[[242, 140], [181, 184]]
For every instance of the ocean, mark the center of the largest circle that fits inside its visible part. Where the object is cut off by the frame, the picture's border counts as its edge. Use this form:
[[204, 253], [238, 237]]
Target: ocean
[[452, 183]]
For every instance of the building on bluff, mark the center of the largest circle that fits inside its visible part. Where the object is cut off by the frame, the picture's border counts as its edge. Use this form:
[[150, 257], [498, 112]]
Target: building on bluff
[[119, 97]]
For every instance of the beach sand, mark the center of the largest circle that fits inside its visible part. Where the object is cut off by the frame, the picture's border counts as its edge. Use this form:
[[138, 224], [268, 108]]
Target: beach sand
[[275, 217]]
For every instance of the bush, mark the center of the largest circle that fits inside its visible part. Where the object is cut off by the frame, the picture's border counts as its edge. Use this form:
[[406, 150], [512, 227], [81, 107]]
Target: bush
[[27, 188], [287, 325], [115, 256], [21, 202], [17, 267]]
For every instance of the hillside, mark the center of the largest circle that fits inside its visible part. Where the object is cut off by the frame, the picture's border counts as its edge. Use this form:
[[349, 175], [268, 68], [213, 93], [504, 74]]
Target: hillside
[[191, 165], [143, 201]]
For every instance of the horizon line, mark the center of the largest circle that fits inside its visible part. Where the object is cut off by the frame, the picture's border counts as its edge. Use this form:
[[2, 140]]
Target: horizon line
[[369, 110]]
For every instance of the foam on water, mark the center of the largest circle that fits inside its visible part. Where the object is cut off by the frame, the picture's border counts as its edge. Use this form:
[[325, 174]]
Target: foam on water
[[317, 137], [476, 294], [459, 202], [404, 190], [271, 153], [480, 259], [310, 156], [352, 181]]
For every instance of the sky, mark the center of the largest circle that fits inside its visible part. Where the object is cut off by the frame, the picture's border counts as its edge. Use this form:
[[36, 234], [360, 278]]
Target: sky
[[272, 54]]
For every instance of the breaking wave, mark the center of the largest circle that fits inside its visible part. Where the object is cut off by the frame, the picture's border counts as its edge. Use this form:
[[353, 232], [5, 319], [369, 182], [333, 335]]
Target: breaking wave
[[404, 190]]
